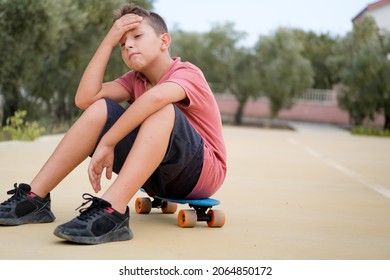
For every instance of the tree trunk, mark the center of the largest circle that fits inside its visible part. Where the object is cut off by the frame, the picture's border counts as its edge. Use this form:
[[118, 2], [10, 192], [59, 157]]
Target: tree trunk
[[240, 111], [387, 121], [8, 111]]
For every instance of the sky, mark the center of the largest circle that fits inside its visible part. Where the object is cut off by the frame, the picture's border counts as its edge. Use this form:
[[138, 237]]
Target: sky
[[260, 17]]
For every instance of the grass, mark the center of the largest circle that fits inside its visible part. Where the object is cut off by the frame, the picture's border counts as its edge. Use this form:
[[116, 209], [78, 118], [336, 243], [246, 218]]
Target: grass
[[370, 131]]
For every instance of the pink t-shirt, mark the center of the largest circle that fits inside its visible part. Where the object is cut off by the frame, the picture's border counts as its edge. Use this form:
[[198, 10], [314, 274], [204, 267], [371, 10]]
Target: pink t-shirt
[[201, 111]]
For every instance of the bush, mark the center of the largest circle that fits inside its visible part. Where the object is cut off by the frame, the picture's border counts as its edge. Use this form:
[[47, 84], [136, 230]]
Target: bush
[[17, 129], [370, 131]]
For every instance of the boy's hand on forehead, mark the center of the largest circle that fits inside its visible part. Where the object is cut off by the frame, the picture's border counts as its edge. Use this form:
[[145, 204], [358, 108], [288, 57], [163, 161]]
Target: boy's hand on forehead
[[121, 26], [129, 19]]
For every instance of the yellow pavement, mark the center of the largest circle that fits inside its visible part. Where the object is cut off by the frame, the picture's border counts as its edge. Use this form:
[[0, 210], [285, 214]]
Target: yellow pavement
[[305, 194]]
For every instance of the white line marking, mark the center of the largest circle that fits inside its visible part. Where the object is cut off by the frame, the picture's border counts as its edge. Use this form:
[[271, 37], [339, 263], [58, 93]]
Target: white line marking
[[346, 171]]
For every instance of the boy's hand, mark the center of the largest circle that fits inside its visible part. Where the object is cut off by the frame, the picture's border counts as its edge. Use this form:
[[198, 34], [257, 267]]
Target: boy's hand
[[121, 26], [103, 157]]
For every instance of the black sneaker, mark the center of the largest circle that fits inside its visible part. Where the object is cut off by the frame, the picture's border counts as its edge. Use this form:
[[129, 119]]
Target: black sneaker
[[25, 207], [99, 223]]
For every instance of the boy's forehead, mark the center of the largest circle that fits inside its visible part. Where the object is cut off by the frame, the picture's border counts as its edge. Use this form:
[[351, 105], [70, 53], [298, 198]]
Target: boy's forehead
[[141, 27], [143, 24]]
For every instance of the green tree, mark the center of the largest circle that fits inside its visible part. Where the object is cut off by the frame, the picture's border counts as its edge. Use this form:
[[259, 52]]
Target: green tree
[[319, 49], [227, 67], [53, 80], [221, 44], [284, 73], [245, 80], [45, 47], [365, 68], [23, 38], [230, 67], [189, 46], [80, 27]]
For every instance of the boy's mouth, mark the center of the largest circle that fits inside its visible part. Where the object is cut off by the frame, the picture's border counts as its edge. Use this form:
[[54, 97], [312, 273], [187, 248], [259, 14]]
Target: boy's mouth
[[132, 55]]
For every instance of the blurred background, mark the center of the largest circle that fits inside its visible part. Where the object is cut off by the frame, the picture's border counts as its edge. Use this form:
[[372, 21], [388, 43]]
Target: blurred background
[[267, 65]]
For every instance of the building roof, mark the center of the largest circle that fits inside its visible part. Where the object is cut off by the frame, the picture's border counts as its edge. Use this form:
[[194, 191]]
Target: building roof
[[371, 7]]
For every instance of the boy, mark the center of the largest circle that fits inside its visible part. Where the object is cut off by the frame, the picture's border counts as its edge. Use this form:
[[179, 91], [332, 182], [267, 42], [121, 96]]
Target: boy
[[169, 141]]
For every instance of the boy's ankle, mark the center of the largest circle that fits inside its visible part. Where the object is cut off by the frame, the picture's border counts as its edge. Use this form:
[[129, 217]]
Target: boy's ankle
[[39, 193], [118, 207]]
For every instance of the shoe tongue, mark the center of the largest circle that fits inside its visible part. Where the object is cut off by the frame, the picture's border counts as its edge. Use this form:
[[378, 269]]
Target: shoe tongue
[[25, 187]]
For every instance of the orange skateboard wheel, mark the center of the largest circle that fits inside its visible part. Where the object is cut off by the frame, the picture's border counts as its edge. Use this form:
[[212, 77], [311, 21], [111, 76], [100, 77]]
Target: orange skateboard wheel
[[187, 218], [168, 207], [217, 218], [143, 205]]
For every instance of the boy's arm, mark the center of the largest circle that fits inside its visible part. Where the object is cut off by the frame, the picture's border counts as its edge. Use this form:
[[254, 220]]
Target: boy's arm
[[91, 87], [151, 101], [148, 103]]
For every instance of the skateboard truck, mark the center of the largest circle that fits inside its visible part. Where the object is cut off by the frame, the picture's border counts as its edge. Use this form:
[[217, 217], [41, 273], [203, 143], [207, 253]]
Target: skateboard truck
[[201, 213]]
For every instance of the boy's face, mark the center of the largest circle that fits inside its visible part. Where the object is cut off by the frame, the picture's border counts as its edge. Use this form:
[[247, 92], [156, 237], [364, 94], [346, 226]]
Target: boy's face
[[141, 46]]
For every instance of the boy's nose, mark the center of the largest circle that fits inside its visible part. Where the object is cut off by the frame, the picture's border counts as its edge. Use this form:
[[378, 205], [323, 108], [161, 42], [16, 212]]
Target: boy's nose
[[129, 44]]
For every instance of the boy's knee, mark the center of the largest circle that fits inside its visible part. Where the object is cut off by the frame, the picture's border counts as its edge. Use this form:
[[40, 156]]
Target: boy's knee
[[164, 115], [168, 110], [98, 105], [167, 113], [98, 109]]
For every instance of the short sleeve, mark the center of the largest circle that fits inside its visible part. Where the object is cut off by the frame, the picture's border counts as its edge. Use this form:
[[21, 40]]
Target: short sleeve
[[127, 81], [193, 82]]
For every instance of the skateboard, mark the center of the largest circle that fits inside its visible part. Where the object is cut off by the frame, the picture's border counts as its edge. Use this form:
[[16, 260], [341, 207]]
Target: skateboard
[[201, 210]]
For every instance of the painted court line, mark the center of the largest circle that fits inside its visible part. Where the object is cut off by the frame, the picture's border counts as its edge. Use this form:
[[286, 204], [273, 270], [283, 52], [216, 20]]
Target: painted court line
[[344, 170]]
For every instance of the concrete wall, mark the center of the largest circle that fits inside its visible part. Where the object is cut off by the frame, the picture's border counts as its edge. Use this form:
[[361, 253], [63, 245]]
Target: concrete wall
[[308, 111]]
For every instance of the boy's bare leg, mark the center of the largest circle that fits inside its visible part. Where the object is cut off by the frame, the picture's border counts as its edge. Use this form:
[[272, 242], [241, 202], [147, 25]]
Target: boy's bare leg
[[77, 144], [145, 156]]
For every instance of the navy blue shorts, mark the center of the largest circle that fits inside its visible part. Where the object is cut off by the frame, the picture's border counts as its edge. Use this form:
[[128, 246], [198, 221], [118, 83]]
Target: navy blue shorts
[[180, 169]]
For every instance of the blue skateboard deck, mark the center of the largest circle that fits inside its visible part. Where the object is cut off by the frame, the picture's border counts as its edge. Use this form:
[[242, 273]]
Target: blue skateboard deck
[[206, 202], [186, 218]]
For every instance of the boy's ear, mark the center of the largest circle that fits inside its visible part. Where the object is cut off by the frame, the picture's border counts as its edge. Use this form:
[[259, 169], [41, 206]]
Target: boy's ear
[[165, 41]]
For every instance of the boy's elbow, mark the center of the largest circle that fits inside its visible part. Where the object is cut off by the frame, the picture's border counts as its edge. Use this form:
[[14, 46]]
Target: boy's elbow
[[81, 104], [159, 99]]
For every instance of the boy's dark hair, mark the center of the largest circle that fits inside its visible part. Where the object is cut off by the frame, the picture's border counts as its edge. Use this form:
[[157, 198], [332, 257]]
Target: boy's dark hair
[[155, 20]]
